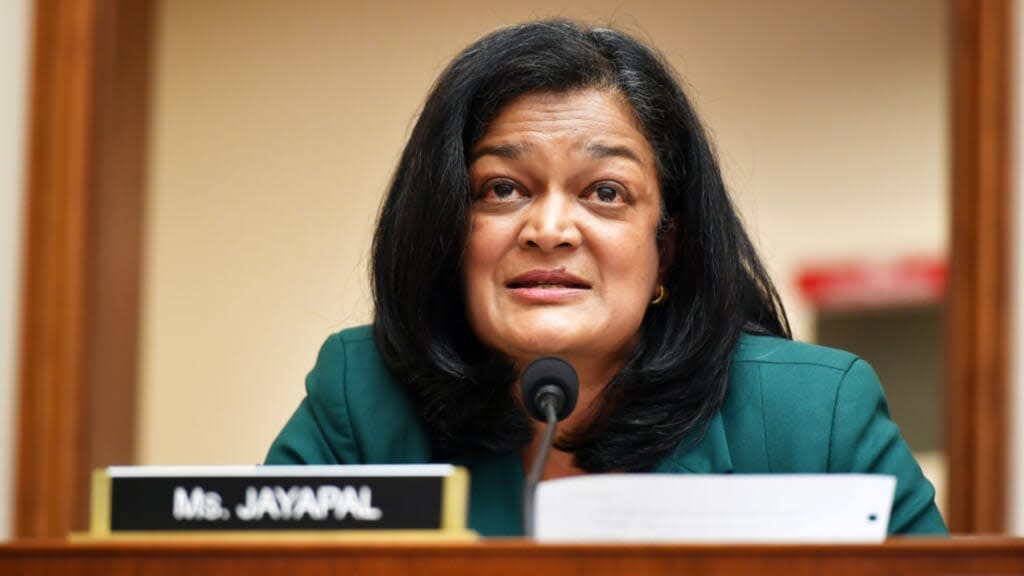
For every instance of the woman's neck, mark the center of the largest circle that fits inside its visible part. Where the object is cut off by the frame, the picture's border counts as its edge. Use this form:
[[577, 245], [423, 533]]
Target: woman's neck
[[560, 464], [592, 379]]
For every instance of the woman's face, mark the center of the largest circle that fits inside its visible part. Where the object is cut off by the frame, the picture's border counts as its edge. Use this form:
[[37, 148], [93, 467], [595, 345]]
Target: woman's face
[[562, 256]]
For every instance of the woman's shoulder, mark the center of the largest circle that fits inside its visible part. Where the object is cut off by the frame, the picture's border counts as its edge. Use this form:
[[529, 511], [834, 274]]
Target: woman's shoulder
[[355, 336], [775, 351], [782, 367], [354, 394], [802, 408], [788, 392], [348, 359]]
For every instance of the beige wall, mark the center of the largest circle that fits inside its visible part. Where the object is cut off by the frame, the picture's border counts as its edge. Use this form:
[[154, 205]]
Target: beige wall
[[14, 59], [276, 126]]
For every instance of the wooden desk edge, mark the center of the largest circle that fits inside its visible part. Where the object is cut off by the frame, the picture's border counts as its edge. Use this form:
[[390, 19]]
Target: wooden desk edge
[[268, 545]]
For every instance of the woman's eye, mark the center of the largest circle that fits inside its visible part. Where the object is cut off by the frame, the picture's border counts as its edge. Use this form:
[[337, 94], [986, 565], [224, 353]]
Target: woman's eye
[[499, 190], [607, 193], [503, 189]]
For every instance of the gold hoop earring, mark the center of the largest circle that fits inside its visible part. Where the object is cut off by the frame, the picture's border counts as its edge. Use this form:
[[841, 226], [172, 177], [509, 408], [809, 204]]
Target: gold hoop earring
[[662, 295]]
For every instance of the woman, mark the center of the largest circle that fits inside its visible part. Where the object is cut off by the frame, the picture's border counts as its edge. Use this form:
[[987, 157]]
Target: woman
[[558, 195]]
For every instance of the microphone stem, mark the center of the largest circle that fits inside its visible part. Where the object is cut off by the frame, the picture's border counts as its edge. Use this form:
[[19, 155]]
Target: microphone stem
[[540, 461]]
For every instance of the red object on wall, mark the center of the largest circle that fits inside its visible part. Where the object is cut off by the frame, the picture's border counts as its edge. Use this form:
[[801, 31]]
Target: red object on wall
[[874, 284]]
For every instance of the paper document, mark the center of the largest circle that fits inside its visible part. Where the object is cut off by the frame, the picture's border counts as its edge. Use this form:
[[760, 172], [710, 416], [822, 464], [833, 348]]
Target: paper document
[[715, 508]]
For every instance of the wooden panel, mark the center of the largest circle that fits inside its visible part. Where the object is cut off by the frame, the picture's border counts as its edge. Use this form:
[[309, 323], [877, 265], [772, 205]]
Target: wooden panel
[[517, 557], [80, 308], [122, 104], [52, 431], [978, 331]]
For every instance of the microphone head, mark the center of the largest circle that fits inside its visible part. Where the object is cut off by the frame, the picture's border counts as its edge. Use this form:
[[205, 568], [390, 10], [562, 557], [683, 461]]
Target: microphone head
[[549, 376]]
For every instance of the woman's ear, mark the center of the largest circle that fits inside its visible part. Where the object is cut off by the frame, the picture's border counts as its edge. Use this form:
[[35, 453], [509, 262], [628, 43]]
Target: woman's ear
[[667, 246]]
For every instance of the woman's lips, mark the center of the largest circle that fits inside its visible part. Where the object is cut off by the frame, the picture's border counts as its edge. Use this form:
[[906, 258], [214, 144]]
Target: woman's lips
[[547, 286]]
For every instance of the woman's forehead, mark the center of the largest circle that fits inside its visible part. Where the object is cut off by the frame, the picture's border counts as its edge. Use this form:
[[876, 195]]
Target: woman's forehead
[[595, 121]]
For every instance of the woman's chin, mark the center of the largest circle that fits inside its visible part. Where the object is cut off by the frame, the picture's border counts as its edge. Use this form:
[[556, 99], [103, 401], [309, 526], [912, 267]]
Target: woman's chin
[[557, 332], [552, 341]]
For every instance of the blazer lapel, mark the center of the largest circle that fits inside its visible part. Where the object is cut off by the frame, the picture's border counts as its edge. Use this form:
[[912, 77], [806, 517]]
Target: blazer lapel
[[709, 456]]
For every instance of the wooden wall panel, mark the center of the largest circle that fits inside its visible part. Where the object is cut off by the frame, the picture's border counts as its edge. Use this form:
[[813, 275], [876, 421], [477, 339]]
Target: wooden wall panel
[[51, 431], [116, 241], [83, 225], [978, 327]]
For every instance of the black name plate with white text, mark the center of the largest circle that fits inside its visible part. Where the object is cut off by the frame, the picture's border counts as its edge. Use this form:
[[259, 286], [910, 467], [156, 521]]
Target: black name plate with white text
[[160, 499]]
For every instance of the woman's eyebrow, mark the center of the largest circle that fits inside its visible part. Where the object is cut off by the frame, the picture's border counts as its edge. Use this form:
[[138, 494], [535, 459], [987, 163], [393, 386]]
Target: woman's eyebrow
[[603, 151], [508, 151]]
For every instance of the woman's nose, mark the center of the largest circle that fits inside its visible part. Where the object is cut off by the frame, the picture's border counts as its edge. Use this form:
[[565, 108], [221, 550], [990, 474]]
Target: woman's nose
[[550, 223]]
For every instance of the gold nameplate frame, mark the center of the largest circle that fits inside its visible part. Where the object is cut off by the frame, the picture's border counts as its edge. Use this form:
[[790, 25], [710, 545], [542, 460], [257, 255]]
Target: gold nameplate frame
[[387, 502]]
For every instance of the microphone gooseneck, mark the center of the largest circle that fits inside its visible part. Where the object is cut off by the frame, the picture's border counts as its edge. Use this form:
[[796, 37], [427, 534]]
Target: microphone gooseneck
[[549, 387]]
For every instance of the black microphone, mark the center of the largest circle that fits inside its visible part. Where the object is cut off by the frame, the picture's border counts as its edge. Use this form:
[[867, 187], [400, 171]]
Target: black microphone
[[549, 387]]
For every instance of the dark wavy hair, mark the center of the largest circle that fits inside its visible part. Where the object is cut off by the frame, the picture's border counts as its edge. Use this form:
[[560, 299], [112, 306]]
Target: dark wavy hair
[[676, 379]]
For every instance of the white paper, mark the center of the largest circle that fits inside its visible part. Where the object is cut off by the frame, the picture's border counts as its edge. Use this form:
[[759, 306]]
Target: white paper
[[835, 508]]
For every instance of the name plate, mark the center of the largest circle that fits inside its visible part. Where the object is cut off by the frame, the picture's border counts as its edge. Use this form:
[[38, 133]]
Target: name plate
[[366, 500]]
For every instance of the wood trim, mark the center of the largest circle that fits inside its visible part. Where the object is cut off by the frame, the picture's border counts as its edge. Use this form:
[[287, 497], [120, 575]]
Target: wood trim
[[83, 237], [50, 445], [116, 241], [908, 557], [977, 342]]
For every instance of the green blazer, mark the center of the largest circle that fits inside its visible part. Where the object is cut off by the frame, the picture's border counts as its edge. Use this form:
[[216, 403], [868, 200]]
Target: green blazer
[[790, 408]]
